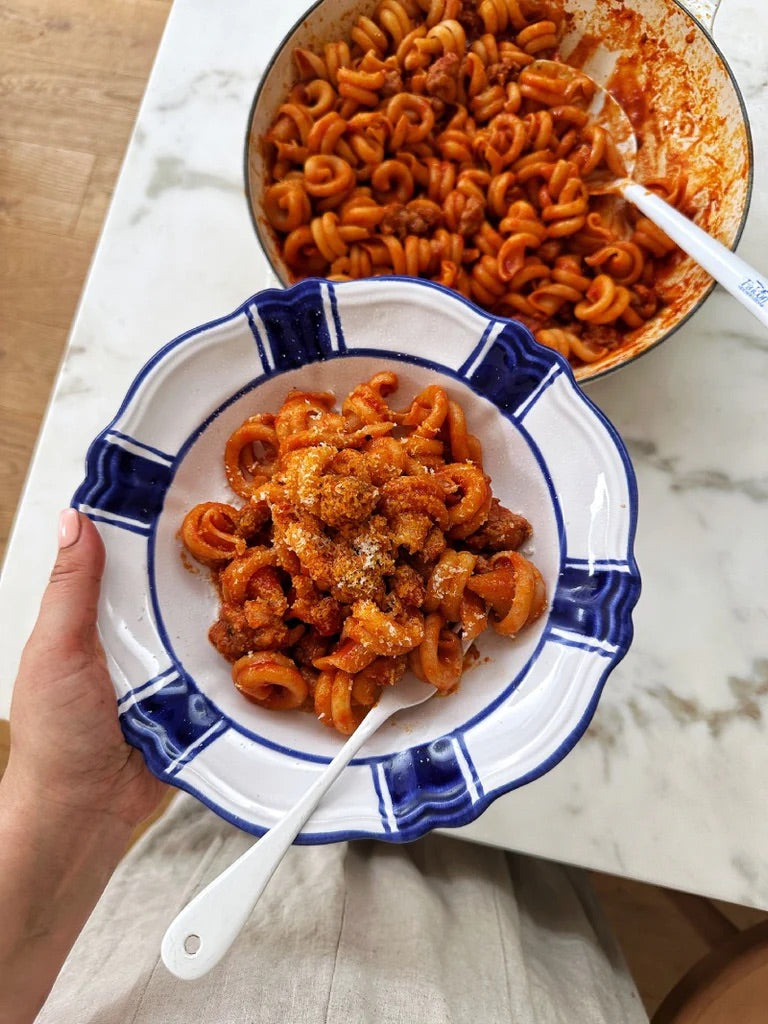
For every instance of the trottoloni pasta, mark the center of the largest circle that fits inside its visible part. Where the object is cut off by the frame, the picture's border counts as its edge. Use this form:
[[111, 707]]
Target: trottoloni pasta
[[425, 145], [363, 542]]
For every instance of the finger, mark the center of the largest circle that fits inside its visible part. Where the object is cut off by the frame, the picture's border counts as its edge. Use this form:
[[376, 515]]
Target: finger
[[69, 606]]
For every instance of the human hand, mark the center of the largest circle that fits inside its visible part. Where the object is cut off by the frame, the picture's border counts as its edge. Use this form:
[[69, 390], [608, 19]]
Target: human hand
[[67, 749], [73, 790]]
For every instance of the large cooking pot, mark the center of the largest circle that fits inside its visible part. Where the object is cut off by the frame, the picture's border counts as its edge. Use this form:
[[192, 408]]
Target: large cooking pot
[[683, 93]]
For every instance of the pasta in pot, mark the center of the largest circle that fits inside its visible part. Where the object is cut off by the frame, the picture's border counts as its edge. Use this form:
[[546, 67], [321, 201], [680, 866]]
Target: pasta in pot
[[369, 542], [424, 145]]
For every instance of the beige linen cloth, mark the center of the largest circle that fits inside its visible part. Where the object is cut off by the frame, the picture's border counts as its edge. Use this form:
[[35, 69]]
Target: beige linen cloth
[[438, 931]]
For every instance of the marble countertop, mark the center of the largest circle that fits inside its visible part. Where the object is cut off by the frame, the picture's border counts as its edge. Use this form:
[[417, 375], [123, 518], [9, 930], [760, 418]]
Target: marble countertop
[[670, 783]]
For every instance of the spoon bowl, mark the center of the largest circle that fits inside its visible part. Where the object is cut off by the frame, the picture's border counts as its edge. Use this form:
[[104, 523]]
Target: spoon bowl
[[743, 281], [603, 110]]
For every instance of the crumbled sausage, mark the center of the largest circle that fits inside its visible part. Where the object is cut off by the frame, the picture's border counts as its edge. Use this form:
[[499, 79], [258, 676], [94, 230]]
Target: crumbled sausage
[[443, 78], [472, 217], [503, 530]]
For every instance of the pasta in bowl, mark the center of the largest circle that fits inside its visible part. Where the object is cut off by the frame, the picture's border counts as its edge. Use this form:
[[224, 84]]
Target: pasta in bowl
[[418, 137], [553, 461], [368, 542]]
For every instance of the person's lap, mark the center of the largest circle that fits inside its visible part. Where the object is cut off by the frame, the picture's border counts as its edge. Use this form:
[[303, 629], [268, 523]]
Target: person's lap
[[433, 931]]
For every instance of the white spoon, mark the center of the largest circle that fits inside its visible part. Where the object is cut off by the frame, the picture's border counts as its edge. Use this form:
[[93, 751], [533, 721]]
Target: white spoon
[[732, 272], [203, 932]]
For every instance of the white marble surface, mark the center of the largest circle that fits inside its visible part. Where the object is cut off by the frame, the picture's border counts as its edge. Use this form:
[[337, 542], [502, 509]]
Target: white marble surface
[[670, 783]]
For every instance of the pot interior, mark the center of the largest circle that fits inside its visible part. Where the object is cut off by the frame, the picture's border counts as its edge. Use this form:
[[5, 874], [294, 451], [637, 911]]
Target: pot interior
[[669, 75]]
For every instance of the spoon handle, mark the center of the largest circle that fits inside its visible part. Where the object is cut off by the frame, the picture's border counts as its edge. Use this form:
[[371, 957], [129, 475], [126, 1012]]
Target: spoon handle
[[732, 272], [205, 929]]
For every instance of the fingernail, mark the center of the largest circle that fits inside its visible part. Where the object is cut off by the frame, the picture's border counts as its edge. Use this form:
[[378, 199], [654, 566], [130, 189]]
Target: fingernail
[[69, 527]]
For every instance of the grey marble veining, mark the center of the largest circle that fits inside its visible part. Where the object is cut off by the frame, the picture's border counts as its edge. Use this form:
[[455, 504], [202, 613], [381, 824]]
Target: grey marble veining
[[670, 783]]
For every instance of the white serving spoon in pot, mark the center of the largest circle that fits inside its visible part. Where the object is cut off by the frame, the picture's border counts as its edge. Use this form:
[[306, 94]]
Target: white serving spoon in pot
[[205, 929], [745, 283]]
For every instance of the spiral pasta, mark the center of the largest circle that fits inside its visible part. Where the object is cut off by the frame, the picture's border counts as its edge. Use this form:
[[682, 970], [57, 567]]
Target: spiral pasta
[[369, 542], [425, 145]]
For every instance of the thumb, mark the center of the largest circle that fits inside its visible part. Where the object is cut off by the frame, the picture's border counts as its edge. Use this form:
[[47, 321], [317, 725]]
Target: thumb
[[69, 606]]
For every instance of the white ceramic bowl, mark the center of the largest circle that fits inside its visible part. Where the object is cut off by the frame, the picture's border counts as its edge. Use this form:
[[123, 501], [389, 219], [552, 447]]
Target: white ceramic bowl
[[551, 456]]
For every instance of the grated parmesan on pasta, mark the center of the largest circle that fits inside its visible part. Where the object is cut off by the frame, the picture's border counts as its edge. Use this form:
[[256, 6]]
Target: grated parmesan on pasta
[[366, 543]]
